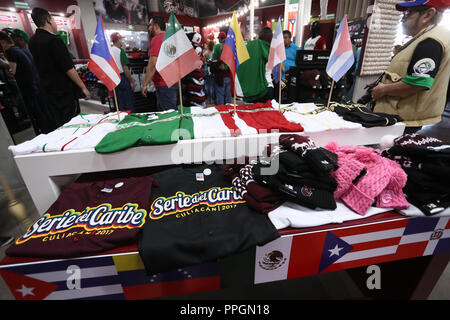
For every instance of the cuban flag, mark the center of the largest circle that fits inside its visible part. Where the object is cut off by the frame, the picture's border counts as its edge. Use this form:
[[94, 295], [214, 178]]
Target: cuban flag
[[101, 62], [341, 57], [277, 53]]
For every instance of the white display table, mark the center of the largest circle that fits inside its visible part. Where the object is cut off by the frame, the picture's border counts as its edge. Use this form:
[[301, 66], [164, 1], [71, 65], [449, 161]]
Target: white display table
[[45, 174]]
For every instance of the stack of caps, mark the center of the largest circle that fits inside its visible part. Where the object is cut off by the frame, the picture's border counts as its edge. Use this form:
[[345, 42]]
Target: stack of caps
[[301, 171], [426, 161], [365, 177], [258, 197], [193, 89]]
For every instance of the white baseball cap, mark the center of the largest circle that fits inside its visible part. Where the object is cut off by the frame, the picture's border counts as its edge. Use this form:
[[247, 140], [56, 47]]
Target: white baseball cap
[[197, 38]]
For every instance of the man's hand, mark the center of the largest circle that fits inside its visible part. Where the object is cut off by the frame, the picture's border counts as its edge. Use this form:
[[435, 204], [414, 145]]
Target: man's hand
[[144, 90], [86, 93], [222, 67], [379, 91], [132, 85]]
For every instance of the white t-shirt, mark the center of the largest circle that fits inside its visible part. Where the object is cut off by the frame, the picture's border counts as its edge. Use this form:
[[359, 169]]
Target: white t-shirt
[[115, 53]]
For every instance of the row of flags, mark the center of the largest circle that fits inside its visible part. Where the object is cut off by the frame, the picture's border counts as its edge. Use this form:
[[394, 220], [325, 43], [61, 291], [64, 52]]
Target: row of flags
[[177, 56]]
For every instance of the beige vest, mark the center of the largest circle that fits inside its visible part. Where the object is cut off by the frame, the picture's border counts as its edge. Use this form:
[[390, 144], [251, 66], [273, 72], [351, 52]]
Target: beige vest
[[426, 106]]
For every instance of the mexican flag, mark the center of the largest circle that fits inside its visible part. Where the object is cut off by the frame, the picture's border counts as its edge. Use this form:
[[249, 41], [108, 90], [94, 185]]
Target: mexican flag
[[177, 56]]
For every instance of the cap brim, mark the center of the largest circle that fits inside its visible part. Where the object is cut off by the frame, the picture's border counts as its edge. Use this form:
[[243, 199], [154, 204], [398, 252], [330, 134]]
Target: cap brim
[[403, 6]]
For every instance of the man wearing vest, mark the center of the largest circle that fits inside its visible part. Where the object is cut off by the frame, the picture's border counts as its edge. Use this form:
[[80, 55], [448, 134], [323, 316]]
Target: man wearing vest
[[415, 84]]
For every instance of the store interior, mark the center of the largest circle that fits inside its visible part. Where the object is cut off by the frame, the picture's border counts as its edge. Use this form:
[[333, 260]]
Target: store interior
[[22, 203]]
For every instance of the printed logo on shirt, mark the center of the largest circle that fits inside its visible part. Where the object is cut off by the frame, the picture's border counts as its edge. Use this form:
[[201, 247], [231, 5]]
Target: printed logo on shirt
[[214, 199], [272, 260], [100, 218], [424, 66]]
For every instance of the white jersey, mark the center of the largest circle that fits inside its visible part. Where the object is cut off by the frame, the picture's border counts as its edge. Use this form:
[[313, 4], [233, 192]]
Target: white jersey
[[294, 215], [81, 132], [305, 114]]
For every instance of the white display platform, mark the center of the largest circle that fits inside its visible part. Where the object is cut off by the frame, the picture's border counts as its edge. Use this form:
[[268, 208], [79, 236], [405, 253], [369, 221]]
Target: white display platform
[[45, 174]]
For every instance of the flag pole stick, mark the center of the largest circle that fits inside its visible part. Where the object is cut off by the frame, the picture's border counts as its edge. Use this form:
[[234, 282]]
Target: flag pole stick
[[331, 93], [234, 95], [117, 105], [279, 90], [181, 97]]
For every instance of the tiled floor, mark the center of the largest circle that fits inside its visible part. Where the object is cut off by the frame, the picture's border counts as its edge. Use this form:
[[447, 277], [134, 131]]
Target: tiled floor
[[336, 285]]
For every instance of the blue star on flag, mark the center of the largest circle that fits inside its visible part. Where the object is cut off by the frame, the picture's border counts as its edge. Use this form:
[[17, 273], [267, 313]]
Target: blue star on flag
[[333, 249]]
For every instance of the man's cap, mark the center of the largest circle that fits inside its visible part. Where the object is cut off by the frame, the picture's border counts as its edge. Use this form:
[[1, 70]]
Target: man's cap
[[116, 36], [440, 5], [20, 33], [222, 35]]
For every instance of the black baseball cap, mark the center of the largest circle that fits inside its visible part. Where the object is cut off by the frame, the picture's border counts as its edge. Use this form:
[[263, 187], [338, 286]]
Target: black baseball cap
[[5, 36]]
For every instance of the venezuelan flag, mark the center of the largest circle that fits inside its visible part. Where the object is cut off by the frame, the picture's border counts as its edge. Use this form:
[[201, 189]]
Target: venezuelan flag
[[234, 51]]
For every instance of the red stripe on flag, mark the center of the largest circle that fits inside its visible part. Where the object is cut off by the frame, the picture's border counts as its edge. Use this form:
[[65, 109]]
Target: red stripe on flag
[[306, 252], [344, 41], [406, 251], [362, 262], [148, 291], [411, 250], [180, 67], [371, 228], [228, 57], [448, 225], [375, 244], [101, 75], [113, 65]]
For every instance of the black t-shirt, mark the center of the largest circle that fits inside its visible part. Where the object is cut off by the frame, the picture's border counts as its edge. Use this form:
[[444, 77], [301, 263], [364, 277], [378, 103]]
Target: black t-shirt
[[195, 217], [24, 70], [52, 60], [424, 64]]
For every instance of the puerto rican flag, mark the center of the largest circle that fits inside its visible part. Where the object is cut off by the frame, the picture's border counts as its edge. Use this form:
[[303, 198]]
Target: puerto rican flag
[[341, 57], [101, 62], [277, 53]]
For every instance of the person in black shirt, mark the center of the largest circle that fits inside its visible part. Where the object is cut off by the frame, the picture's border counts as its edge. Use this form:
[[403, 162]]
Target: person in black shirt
[[59, 79], [28, 83]]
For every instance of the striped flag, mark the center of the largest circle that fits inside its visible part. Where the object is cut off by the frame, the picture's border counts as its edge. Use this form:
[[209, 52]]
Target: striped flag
[[138, 285], [177, 56], [234, 51], [109, 277], [292, 20], [341, 57], [90, 278], [351, 247], [277, 53], [101, 62]]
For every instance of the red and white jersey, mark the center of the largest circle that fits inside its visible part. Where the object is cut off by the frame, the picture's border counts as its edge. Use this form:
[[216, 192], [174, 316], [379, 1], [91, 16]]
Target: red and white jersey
[[317, 43]]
